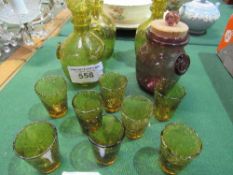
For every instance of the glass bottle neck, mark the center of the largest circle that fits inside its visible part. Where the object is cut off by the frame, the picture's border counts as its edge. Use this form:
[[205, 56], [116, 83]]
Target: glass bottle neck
[[97, 7], [81, 29], [158, 8], [81, 24], [81, 14]]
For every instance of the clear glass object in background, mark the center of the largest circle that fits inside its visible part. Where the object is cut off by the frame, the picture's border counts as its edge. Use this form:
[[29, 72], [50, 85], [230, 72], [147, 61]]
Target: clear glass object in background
[[39, 30], [37, 144], [48, 10], [81, 53], [7, 38], [25, 32], [22, 22], [27, 18], [21, 13]]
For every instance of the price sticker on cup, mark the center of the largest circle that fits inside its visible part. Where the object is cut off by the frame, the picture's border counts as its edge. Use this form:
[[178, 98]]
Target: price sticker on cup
[[85, 74]]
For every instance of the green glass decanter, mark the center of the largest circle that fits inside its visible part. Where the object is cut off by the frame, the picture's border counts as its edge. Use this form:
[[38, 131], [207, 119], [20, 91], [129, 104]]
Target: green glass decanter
[[103, 26], [157, 10], [81, 52]]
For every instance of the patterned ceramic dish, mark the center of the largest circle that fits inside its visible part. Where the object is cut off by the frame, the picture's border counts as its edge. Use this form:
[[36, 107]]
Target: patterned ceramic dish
[[127, 14], [199, 15]]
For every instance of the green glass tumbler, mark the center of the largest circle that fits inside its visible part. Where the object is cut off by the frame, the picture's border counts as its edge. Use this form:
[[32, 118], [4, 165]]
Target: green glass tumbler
[[166, 104], [106, 140], [112, 87], [37, 144], [136, 112], [179, 145], [52, 91], [88, 108]]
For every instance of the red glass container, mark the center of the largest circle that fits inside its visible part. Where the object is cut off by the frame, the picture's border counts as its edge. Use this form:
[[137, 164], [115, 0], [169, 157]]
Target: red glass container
[[162, 59]]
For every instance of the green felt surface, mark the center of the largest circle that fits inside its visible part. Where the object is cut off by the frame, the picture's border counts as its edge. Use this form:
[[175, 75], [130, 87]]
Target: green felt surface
[[207, 108], [211, 38]]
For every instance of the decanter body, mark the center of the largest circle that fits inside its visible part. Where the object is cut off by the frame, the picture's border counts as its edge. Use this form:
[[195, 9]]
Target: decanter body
[[81, 52], [157, 9], [103, 27], [162, 59]]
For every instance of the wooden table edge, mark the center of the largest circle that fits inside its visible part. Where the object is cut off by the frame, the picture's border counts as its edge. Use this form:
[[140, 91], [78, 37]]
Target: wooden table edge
[[11, 66]]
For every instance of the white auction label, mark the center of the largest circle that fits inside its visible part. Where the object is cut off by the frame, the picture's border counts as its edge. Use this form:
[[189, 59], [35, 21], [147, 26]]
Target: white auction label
[[81, 173], [86, 74]]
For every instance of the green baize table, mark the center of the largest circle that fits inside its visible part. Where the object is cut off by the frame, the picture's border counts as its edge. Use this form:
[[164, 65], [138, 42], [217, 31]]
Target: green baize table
[[207, 107]]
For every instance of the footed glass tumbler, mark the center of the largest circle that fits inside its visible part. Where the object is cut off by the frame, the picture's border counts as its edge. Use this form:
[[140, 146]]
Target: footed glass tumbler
[[166, 104], [136, 112], [113, 86], [106, 140], [179, 145], [88, 108], [52, 91], [37, 144]]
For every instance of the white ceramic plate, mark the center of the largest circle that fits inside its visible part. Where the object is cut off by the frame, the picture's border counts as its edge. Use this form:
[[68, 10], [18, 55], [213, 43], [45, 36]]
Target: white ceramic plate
[[127, 27], [127, 14], [127, 2]]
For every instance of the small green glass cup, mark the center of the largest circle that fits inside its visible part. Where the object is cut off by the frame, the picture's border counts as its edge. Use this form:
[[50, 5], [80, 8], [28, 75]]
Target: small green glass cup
[[52, 91], [166, 104], [180, 144], [106, 141], [88, 108], [112, 87], [37, 144], [136, 112]]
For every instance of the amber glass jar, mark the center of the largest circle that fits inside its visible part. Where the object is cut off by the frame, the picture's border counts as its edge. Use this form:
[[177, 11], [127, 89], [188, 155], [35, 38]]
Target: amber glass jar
[[162, 59]]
